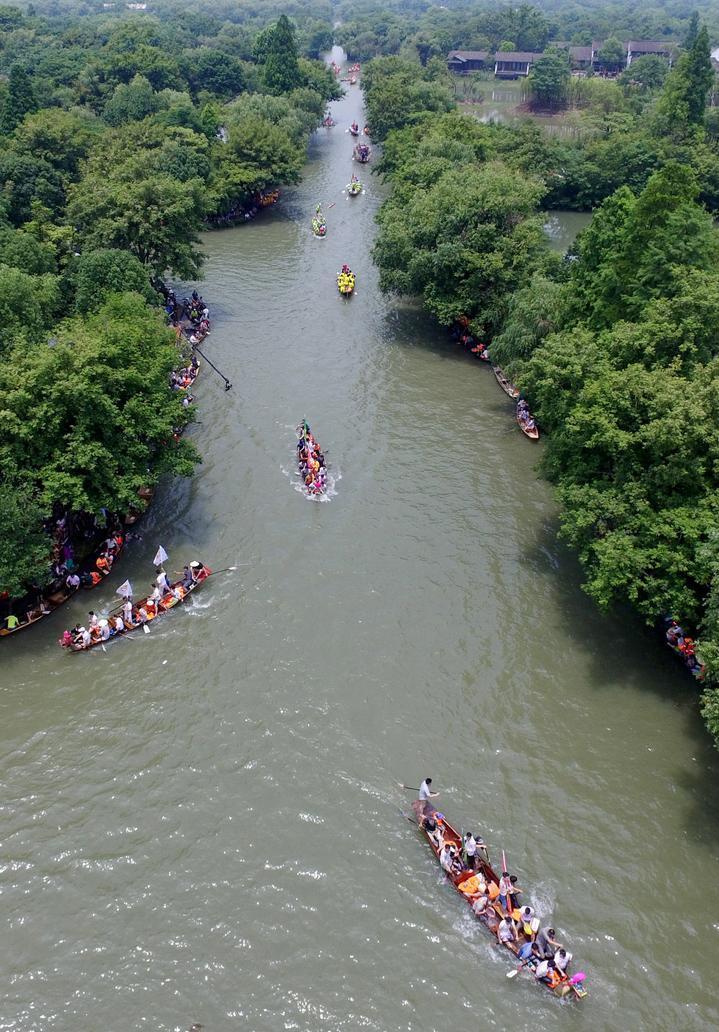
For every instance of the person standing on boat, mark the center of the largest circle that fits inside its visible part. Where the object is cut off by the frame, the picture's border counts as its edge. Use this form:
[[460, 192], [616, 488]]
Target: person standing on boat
[[425, 791], [469, 849], [505, 890], [161, 580]]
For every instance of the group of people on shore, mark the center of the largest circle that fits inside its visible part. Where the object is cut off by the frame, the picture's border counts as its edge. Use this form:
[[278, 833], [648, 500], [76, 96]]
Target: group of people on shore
[[495, 902], [129, 616], [310, 460]]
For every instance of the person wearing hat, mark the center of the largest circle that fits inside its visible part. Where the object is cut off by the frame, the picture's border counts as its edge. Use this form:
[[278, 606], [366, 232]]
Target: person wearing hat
[[104, 630]]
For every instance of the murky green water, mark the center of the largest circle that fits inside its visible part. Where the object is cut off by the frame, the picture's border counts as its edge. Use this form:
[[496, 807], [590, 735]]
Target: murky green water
[[202, 825]]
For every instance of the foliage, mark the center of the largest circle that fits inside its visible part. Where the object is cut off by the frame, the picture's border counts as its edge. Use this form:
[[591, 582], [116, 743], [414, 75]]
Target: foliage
[[24, 547], [90, 419], [19, 101], [549, 80], [280, 57], [611, 55], [108, 271]]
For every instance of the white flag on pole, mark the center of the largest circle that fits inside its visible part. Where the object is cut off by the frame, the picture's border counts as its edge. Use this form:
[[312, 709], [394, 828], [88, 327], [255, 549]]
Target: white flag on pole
[[161, 556], [125, 590]]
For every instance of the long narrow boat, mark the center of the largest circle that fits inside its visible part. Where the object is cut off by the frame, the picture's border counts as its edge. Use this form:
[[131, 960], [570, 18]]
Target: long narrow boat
[[168, 601], [526, 423], [567, 986], [313, 472], [506, 384], [346, 281], [362, 153]]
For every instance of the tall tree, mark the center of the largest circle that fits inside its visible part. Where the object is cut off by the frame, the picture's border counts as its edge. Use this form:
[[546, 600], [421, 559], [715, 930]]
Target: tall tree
[[281, 71], [683, 101], [20, 99], [549, 80]]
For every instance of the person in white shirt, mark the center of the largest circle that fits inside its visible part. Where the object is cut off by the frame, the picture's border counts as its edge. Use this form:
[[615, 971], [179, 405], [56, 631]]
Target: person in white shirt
[[127, 612], [562, 960], [119, 624], [425, 791], [73, 582], [93, 619], [470, 850], [506, 931], [86, 637], [104, 630], [162, 581]]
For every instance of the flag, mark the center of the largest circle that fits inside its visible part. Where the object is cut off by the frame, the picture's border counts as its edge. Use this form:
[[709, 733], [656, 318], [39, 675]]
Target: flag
[[125, 590], [161, 556]]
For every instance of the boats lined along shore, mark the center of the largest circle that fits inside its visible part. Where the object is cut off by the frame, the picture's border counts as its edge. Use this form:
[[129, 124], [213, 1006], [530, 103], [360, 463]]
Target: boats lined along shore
[[480, 887]]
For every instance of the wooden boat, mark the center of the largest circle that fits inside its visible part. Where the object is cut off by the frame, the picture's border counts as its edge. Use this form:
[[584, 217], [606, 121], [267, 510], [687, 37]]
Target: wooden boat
[[328, 122], [346, 282], [319, 226], [526, 423], [568, 986], [169, 601], [354, 187], [362, 153], [683, 646], [353, 80], [506, 385], [318, 485], [354, 129]]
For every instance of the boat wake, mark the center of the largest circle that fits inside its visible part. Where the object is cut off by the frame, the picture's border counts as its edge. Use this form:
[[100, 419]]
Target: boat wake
[[333, 478]]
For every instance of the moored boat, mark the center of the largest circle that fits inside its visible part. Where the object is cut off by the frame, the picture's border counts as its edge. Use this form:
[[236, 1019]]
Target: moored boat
[[526, 421], [466, 882], [143, 613], [362, 153], [506, 384], [346, 281]]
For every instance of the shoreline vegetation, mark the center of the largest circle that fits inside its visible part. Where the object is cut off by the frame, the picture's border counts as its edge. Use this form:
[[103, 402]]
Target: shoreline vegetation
[[614, 345], [124, 135]]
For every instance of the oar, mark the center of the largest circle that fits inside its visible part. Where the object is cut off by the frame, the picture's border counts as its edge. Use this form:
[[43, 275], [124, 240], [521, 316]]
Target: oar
[[407, 788], [407, 816]]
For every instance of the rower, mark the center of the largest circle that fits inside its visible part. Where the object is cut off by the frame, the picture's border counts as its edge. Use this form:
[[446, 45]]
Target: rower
[[93, 618], [12, 622], [72, 582], [187, 577], [562, 960], [507, 931], [127, 612], [526, 917], [425, 791], [546, 943]]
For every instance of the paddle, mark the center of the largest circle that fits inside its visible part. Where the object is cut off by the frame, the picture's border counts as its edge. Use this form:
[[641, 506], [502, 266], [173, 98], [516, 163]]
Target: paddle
[[407, 816], [407, 788]]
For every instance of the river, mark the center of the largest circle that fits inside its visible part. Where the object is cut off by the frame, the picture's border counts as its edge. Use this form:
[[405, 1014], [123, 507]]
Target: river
[[202, 824]]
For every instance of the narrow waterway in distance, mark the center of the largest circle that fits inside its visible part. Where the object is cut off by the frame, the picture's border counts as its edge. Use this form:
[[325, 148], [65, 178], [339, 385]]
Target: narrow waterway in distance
[[202, 824]]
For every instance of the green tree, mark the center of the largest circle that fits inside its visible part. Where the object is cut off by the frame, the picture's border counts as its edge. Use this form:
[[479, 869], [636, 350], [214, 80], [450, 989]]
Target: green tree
[[90, 419], [549, 80], [281, 69], [612, 55], [131, 102], [649, 72], [20, 99], [682, 104], [103, 272], [27, 306], [155, 217], [24, 547]]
